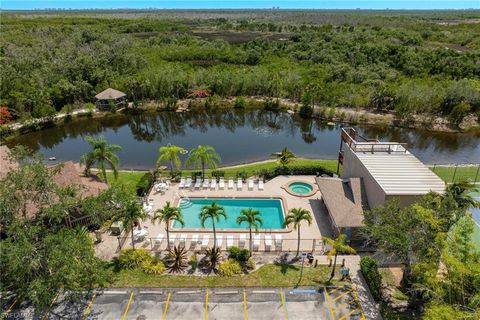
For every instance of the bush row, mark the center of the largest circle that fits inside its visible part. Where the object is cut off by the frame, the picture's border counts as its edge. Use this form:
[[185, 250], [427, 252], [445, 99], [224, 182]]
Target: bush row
[[370, 272]]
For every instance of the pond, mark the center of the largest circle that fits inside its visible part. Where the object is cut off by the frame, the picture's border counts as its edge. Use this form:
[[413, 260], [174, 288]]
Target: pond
[[239, 136]]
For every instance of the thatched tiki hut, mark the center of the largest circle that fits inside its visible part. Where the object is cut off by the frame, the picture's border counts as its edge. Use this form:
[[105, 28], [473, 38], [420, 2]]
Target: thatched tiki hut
[[110, 97]]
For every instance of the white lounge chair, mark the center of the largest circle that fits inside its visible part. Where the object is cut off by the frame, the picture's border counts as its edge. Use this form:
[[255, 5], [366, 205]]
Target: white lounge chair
[[221, 183], [198, 183], [250, 184], [194, 241], [219, 241], [147, 208], [268, 242], [256, 241], [260, 184], [183, 239], [182, 183], [213, 185], [188, 183], [241, 240], [206, 183], [230, 183], [229, 241], [205, 241], [278, 241], [171, 240], [239, 183]]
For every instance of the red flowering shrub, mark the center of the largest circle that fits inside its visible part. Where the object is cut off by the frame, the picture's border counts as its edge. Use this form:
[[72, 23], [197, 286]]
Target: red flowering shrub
[[199, 93], [5, 115]]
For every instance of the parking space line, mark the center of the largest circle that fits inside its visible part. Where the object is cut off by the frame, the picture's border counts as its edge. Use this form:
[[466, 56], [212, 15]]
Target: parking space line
[[206, 305], [329, 305], [333, 290], [127, 307], [51, 304], [89, 305], [355, 296], [342, 306], [342, 295], [284, 307], [245, 313], [9, 310], [351, 311], [166, 306]]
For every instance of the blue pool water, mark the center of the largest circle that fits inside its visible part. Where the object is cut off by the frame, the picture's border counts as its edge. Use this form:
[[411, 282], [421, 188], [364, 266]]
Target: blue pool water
[[271, 212]]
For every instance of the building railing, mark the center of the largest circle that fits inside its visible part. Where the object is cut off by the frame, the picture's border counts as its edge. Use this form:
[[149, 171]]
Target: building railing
[[358, 143]]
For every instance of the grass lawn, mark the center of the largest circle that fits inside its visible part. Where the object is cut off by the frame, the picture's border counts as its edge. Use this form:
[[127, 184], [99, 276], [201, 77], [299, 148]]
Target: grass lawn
[[447, 173], [128, 178], [131, 178], [270, 275]]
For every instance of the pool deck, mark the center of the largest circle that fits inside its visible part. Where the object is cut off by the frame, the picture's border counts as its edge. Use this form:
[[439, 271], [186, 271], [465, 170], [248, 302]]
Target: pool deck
[[273, 188]]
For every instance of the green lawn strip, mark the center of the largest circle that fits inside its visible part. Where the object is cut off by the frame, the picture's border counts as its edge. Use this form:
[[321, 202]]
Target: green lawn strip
[[270, 275], [447, 173], [128, 178]]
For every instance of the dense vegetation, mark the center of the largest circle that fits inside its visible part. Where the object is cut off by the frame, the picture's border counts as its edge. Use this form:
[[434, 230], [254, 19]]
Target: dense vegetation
[[418, 63], [433, 240]]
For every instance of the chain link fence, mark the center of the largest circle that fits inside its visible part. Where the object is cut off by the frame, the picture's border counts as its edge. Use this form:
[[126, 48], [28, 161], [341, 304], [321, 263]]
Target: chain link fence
[[458, 172]]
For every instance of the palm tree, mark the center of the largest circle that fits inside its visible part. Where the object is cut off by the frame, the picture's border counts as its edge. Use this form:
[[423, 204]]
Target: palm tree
[[169, 154], [295, 216], [461, 193], [251, 217], [167, 214], [102, 153], [338, 246], [131, 213], [203, 156], [213, 212], [285, 157]]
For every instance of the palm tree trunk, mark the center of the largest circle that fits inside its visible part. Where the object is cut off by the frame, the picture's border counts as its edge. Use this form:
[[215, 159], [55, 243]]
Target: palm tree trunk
[[171, 168], [214, 235], [298, 244], [133, 242], [168, 235], [251, 244], [203, 170], [333, 269], [104, 172]]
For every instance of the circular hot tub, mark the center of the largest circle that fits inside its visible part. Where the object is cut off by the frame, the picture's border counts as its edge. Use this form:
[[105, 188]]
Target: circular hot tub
[[300, 188]]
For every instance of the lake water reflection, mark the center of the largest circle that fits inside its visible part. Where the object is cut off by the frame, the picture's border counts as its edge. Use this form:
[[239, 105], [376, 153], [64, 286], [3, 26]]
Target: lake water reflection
[[239, 136]]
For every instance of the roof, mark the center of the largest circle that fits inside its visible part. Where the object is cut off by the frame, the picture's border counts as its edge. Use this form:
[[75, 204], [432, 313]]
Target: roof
[[400, 173], [72, 173], [110, 94], [6, 164], [344, 199]]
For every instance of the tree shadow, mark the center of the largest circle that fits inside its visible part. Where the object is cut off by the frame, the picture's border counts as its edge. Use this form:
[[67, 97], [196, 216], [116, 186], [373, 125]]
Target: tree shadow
[[285, 263]]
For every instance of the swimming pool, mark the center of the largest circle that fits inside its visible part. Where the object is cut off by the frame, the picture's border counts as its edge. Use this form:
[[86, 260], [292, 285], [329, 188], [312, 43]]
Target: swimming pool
[[271, 211]]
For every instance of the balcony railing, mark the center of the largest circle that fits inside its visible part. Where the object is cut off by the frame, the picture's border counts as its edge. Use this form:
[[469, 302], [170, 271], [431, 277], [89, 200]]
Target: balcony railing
[[359, 143]]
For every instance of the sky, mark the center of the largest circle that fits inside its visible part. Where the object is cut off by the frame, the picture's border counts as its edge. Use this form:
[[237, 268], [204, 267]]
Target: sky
[[238, 4]]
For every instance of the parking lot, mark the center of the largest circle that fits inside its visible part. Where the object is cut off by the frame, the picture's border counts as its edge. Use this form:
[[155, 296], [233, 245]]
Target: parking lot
[[335, 303]]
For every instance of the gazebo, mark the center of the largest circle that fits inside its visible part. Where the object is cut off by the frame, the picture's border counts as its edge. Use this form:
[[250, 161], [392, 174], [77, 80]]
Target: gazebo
[[104, 99]]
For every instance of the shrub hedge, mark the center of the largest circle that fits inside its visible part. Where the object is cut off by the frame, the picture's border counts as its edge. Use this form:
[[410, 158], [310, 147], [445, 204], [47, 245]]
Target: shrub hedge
[[229, 268], [144, 184], [370, 272]]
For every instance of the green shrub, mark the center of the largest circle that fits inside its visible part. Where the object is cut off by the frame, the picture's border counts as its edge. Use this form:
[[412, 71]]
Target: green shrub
[[218, 173], [372, 276], [237, 254], [193, 261], [239, 102], [153, 266], [242, 174], [229, 268], [250, 264], [133, 258], [144, 184], [271, 104], [459, 112]]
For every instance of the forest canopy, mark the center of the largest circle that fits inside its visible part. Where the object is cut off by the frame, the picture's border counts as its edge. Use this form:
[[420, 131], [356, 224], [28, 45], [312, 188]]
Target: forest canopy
[[401, 62]]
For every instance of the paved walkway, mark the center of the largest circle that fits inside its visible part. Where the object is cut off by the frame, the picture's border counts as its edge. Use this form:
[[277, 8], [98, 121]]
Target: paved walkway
[[370, 307]]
